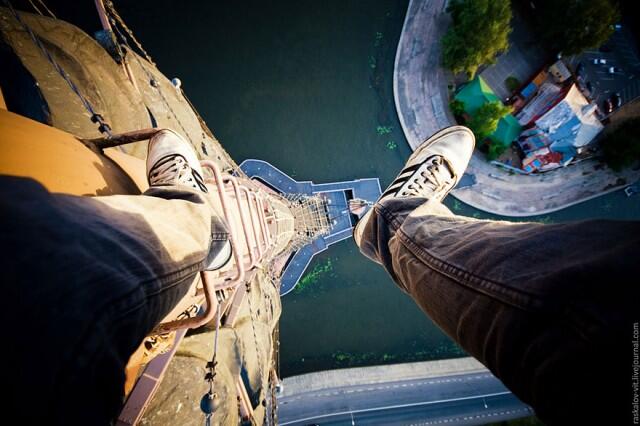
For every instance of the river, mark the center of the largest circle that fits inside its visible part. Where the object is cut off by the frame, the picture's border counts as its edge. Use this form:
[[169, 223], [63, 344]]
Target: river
[[307, 86]]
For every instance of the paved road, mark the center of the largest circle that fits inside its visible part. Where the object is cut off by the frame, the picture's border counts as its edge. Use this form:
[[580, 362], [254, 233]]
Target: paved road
[[419, 82], [420, 91], [472, 398]]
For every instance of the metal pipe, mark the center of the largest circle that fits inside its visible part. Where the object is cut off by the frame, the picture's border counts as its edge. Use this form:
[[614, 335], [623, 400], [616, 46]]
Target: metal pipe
[[264, 219], [253, 222], [245, 228], [197, 321], [230, 221], [120, 139], [106, 25], [102, 14]]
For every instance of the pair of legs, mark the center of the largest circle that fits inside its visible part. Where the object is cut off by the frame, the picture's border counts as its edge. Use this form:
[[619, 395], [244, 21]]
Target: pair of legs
[[548, 308]]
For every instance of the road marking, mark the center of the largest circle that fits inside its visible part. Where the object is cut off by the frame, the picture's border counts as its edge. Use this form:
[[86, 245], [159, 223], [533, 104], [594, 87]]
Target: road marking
[[391, 407]]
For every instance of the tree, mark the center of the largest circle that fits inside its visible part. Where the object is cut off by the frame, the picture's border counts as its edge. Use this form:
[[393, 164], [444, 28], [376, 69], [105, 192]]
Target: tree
[[512, 83], [495, 150], [457, 108], [621, 147], [571, 26], [479, 31], [486, 118]]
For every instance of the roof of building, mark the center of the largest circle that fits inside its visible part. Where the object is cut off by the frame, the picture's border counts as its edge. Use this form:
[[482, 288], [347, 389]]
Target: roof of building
[[477, 93], [547, 94], [560, 71], [572, 122], [507, 131]]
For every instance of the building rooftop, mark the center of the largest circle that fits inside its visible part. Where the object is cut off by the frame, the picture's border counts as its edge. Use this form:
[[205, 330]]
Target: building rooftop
[[475, 94], [572, 122]]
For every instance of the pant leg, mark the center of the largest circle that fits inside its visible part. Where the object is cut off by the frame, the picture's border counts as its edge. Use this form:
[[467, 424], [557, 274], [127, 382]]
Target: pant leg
[[549, 309], [85, 279]]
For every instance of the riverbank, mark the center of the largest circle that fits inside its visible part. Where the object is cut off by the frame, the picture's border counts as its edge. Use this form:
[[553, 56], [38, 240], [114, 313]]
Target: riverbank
[[448, 391], [420, 88], [379, 374]]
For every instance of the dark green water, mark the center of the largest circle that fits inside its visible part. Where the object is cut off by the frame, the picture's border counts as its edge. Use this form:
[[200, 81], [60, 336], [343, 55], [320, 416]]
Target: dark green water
[[307, 86]]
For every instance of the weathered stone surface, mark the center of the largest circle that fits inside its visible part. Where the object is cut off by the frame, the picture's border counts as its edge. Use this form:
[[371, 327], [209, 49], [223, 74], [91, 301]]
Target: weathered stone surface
[[177, 401]]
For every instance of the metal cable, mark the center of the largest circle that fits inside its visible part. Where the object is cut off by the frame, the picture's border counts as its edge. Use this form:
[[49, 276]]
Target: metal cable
[[152, 78], [95, 117], [117, 20], [255, 339], [48, 10], [35, 7], [211, 375], [112, 10]]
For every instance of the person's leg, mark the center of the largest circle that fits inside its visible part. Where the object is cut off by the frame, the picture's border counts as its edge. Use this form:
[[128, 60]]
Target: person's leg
[[86, 279], [549, 309]]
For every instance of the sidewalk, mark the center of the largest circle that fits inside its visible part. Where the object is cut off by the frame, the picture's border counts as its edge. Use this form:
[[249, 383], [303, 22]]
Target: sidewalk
[[421, 98], [379, 374]]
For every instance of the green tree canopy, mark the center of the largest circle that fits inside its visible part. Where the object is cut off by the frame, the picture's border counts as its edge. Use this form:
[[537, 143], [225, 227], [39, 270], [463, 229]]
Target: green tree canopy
[[457, 107], [571, 26], [485, 119], [479, 31], [622, 146]]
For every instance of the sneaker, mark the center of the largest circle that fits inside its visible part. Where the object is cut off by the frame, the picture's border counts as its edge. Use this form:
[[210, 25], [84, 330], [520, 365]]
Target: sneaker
[[433, 169], [171, 160]]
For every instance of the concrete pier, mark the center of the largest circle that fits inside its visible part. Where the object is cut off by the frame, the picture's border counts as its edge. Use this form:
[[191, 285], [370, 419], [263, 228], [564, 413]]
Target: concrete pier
[[337, 195]]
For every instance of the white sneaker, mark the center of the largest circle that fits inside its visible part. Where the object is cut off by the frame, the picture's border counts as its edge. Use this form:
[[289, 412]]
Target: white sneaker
[[221, 258], [171, 160], [433, 169]]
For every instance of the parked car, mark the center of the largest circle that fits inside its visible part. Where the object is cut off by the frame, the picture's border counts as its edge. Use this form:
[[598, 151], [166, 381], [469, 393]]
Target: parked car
[[614, 70], [607, 106], [616, 100], [599, 61]]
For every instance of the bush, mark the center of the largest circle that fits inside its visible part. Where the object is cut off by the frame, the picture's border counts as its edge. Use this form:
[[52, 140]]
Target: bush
[[622, 146], [479, 31], [486, 118], [571, 26], [512, 83], [496, 149], [457, 108]]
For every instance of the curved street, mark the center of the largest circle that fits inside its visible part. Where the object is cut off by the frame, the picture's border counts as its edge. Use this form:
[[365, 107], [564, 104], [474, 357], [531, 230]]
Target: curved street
[[421, 98]]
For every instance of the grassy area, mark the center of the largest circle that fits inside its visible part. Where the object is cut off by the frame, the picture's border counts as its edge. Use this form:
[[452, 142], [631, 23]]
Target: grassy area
[[312, 277]]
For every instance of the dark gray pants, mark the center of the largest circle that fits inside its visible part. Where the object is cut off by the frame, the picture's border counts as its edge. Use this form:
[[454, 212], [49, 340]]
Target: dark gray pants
[[549, 309], [84, 280]]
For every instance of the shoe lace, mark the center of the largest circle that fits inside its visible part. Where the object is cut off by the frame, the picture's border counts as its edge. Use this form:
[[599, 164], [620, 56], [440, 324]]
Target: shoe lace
[[435, 177], [174, 169]]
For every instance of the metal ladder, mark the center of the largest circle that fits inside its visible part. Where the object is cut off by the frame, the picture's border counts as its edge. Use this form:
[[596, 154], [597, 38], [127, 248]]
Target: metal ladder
[[248, 217], [245, 212]]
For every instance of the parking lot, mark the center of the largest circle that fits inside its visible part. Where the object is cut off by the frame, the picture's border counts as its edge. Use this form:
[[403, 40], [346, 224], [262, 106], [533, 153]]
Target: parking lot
[[524, 58], [597, 80]]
